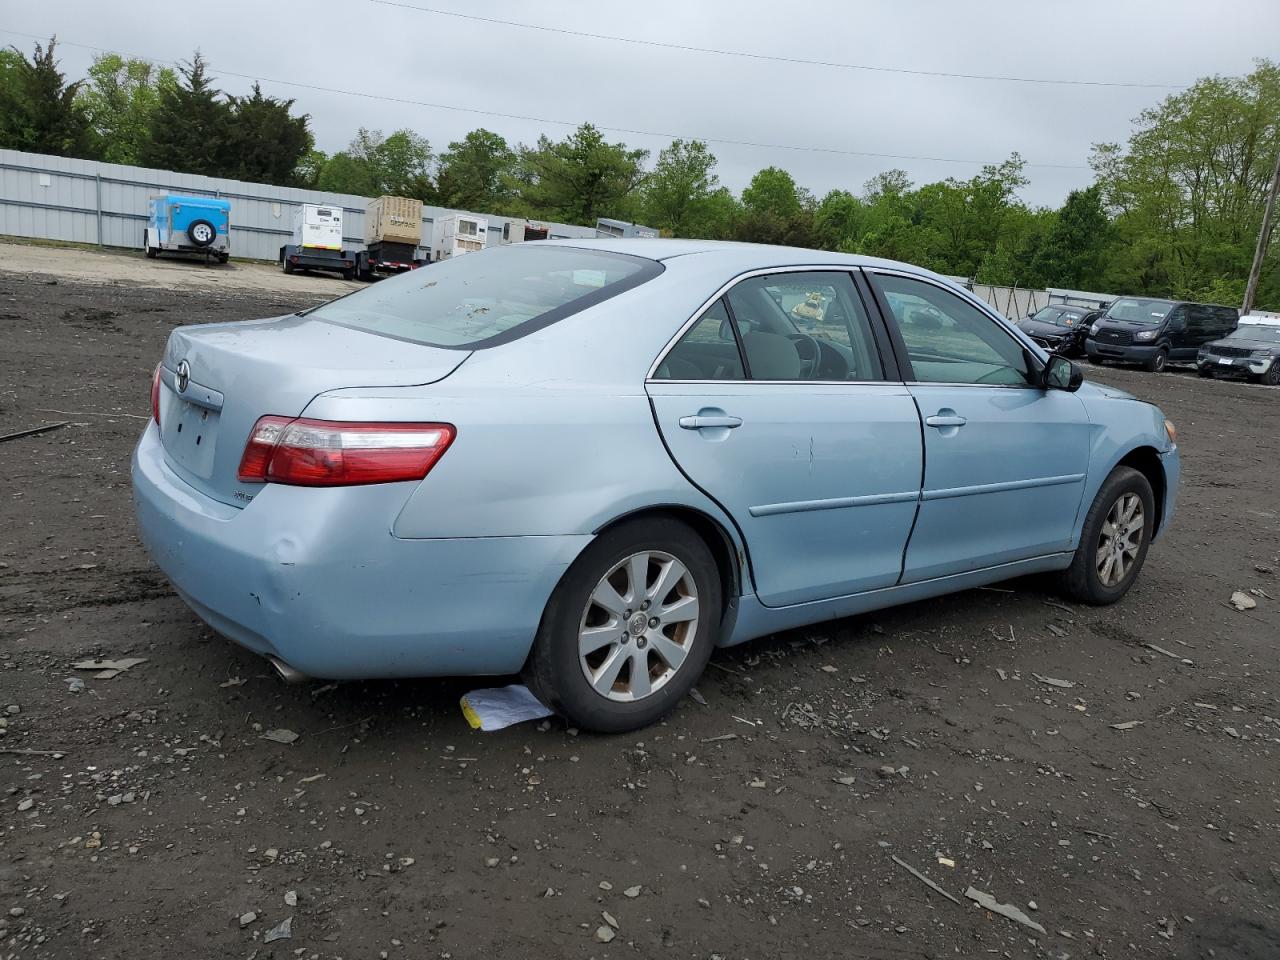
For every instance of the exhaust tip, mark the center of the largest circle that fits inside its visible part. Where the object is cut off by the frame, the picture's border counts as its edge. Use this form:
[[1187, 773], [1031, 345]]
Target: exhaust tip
[[287, 673]]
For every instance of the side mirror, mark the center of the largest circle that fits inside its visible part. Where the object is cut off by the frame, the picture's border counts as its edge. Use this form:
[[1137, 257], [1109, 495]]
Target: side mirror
[[1061, 374]]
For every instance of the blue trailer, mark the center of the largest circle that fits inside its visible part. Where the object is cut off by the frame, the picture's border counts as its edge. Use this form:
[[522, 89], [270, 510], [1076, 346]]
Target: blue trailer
[[200, 225]]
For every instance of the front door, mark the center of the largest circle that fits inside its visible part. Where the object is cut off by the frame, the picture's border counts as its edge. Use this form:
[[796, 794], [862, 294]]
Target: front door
[[776, 404], [1005, 461]]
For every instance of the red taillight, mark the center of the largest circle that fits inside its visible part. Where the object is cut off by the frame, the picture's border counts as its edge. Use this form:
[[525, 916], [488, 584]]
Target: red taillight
[[335, 453], [155, 395]]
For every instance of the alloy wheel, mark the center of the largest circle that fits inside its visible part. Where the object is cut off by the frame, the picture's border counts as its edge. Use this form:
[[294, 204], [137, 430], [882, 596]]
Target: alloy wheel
[[638, 626], [1121, 539]]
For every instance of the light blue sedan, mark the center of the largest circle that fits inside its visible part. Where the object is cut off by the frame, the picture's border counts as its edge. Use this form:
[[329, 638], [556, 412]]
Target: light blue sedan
[[595, 461]]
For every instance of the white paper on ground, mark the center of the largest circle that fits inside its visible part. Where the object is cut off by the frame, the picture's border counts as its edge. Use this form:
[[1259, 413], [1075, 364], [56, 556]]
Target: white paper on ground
[[500, 707]]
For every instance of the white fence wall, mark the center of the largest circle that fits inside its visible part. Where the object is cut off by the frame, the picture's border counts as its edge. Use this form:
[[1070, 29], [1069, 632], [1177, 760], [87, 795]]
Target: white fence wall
[[85, 201]]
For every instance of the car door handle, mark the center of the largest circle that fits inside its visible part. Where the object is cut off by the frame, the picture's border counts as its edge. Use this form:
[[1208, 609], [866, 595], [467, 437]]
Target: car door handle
[[697, 423], [945, 420]]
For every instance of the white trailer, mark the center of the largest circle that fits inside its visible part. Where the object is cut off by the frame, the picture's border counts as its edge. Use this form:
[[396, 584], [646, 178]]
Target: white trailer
[[317, 241], [458, 233]]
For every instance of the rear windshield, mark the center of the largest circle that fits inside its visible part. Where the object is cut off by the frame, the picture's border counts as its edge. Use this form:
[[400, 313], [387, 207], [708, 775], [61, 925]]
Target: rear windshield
[[488, 297], [1137, 310]]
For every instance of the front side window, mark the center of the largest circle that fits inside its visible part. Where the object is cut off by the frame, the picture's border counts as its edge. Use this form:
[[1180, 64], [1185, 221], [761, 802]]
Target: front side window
[[488, 297], [950, 340]]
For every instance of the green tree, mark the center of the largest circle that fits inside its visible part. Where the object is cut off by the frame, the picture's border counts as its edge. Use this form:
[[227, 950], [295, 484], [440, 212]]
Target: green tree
[[190, 124], [374, 165], [39, 111], [476, 173], [678, 189], [265, 141], [839, 220], [344, 173], [1187, 190], [119, 98], [580, 178], [772, 193], [1075, 248]]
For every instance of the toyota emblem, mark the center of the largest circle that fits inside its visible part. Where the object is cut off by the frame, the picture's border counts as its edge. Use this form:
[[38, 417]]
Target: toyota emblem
[[184, 376]]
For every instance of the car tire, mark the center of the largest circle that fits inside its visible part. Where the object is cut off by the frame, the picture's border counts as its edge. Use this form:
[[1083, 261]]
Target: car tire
[[1271, 377], [288, 265], [614, 700], [1157, 361], [1108, 533], [349, 273], [1206, 372], [201, 233]]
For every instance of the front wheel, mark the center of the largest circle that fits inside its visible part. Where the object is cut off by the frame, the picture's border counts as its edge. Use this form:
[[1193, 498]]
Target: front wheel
[[1157, 361], [1113, 543], [1272, 377], [629, 628]]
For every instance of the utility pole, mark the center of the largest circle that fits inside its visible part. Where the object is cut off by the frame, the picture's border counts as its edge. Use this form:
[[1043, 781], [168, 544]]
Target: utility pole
[[1264, 234]]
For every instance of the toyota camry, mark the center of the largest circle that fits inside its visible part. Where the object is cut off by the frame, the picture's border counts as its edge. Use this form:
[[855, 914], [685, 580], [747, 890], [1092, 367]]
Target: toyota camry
[[593, 462]]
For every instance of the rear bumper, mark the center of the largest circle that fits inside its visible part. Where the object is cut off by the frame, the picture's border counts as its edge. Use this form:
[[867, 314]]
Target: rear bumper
[[315, 578], [321, 259]]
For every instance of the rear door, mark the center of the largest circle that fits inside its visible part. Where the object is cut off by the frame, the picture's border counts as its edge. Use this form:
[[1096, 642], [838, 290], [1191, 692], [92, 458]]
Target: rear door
[[1005, 461], [782, 403]]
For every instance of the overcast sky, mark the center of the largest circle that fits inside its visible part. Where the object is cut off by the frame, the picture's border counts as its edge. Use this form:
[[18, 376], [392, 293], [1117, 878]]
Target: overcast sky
[[370, 47]]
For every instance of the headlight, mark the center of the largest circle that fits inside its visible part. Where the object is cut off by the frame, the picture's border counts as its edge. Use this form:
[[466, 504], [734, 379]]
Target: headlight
[[1093, 331], [1262, 354], [1143, 335]]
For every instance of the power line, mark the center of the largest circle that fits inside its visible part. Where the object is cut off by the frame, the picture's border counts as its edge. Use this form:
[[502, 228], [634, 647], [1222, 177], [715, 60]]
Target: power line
[[550, 120], [686, 48]]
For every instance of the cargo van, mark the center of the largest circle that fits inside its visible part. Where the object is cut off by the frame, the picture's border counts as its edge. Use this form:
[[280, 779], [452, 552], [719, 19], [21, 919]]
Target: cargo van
[[1155, 332]]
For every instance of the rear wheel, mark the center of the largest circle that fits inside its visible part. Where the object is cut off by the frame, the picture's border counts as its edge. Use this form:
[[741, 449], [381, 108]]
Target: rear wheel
[[1113, 543], [1157, 361], [629, 628]]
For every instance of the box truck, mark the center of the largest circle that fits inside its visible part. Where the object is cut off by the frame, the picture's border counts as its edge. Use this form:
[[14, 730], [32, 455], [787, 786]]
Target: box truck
[[622, 229], [518, 231], [177, 224], [457, 234], [393, 238], [317, 241]]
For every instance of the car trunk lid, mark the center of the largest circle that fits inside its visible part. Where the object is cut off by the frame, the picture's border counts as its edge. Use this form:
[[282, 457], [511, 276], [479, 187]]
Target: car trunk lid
[[218, 379]]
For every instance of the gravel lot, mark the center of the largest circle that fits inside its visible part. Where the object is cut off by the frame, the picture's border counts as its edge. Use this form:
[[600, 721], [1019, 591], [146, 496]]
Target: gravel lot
[[764, 823]]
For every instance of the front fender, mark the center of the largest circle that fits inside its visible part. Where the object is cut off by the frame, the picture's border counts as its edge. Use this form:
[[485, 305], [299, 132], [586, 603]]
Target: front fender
[[1127, 429]]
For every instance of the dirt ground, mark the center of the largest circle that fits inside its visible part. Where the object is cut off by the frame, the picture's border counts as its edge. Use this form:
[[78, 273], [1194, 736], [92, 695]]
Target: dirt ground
[[130, 268], [767, 822]]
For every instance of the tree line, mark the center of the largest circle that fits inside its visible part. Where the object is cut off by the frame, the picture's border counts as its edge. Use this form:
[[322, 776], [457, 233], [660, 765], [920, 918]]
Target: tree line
[[1174, 211]]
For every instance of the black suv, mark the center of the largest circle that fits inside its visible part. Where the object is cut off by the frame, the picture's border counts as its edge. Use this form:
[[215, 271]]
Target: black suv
[[1060, 327], [1252, 349], [1156, 332]]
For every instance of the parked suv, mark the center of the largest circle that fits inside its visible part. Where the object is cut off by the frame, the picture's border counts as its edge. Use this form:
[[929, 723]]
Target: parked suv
[[1060, 327], [1253, 349], [1156, 332]]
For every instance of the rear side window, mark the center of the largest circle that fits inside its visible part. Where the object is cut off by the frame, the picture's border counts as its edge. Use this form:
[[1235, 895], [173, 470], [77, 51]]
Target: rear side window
[[490, 297]]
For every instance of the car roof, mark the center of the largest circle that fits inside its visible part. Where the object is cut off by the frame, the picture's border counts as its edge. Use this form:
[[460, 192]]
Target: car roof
[[744, 256]]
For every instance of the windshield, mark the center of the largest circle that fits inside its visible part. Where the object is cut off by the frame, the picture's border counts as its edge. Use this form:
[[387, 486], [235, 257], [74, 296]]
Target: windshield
[[1266, 333], [489, 297], [1059, 316], [1135, 310]]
